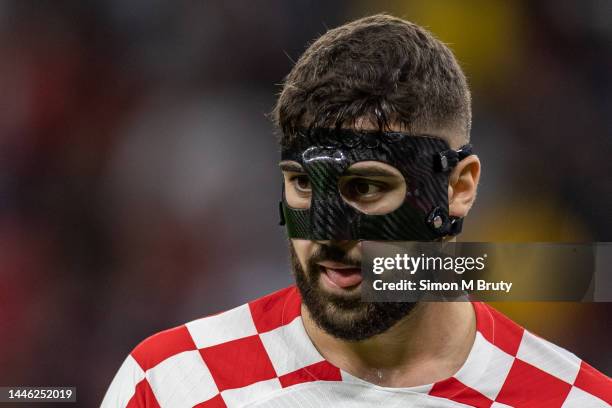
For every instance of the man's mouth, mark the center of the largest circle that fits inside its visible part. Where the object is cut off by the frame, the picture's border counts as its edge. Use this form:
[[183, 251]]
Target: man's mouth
[[339, 275]]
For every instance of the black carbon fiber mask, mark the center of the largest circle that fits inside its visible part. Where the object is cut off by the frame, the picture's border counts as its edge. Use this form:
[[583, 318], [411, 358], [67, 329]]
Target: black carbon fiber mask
[[326, 154]]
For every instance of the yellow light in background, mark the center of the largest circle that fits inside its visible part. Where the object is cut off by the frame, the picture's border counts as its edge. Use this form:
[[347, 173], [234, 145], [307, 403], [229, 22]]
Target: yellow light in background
[[485, 35], [532, 220], [523, 219]]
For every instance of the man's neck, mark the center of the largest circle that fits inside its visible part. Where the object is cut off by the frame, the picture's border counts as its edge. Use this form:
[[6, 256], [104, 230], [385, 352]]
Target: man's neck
[[428, 345]]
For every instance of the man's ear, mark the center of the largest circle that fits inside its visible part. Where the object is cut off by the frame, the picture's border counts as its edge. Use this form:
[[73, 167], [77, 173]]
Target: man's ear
[[462, 186]]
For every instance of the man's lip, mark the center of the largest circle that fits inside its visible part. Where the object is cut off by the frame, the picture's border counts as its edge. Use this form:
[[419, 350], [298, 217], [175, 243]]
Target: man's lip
[[343, 278], [337, 265]]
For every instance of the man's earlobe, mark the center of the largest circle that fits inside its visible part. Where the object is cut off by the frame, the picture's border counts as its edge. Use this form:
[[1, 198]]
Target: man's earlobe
[[462, 186]]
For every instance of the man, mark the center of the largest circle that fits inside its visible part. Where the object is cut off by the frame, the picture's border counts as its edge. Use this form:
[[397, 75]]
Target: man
[[361, 114]]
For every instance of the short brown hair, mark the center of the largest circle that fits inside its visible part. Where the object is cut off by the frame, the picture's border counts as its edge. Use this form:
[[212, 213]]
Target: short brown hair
[[383, 68]]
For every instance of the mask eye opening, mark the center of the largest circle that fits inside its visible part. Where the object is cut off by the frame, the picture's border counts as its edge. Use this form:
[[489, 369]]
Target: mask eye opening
[[373, 187]]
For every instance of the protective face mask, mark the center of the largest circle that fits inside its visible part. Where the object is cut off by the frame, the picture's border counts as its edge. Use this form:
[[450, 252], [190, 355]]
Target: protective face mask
[[327, 156]]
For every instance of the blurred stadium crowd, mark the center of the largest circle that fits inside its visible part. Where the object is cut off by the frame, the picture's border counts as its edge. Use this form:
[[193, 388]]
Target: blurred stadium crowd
[[138, 179]]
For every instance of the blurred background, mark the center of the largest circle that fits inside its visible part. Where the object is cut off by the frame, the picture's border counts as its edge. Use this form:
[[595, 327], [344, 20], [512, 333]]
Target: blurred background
[[138, 178]]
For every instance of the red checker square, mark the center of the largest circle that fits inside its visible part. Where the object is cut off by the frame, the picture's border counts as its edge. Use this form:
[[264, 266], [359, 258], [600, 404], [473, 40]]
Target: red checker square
[[505, 334], [215, 402], [276, 309], [161, 346], [143, 396], [594, 382], [321, 371], [484, 320], [455, 390], [528, 386], [238, 363]]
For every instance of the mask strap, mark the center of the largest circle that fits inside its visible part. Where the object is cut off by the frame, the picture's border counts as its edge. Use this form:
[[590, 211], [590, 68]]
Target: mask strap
[[456, 226], [281, 211], [448, 159], [445, 161]]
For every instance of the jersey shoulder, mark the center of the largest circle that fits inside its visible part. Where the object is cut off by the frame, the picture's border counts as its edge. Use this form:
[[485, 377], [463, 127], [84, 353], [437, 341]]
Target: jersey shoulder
[[203, 357], [537, 369], [216, 334]]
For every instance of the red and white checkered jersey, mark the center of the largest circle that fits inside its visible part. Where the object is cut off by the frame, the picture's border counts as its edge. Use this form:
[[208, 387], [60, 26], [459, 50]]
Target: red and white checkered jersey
[[259, 355]]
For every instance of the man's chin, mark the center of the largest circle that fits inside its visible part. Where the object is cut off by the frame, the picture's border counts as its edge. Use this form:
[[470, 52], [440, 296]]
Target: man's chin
[[341, 313], [336, 306]]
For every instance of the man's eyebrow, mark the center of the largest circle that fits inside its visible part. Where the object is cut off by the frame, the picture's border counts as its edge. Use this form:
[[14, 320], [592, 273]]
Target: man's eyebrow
[[290, 166], [370, 171]]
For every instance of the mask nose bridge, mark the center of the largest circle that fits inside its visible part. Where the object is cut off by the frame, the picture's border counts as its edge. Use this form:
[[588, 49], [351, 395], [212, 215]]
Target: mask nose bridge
[[330, 216], [324, 167]]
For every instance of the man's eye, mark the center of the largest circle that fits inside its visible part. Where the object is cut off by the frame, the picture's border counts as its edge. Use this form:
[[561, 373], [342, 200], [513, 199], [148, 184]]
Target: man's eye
[[357, 188], [301, 183]]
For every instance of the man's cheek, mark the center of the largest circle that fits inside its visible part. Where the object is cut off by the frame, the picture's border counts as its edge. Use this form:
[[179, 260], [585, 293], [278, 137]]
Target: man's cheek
[[357, 251], [302, 249]]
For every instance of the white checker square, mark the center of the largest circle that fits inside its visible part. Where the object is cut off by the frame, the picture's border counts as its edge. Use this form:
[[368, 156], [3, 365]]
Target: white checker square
[[351, 379], [182, 380], [581, 399], [549, 358], [291, 337], [124, 384], [227, 326], [486, 368], [239, 397], [421, 389], [499, 405]]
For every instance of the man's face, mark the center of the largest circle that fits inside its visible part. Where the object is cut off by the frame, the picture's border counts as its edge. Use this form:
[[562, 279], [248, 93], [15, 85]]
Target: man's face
[[328, 273]]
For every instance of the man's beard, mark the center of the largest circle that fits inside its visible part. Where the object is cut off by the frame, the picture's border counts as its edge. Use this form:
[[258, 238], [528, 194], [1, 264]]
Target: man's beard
[[344, 317]]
